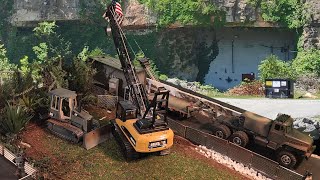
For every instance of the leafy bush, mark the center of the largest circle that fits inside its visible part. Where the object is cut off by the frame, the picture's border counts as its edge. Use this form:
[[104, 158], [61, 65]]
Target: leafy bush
[[81, 73], [185, 11], [273, 67], [45, 29], [291, 13], [31, 103], [307, 61], [13, 119], [154, 69], [5, 65], [96, 52], [208, 90], [163, 77]]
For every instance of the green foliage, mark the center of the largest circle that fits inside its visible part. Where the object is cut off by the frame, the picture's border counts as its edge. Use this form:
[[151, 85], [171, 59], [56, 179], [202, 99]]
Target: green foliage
[[84, 54], [41, 52], [13, 119], [273, 67], [5, 14], [45, 29], [209, 90], [195, 12], [97, 52], [30, 103], [51, 52], [163, 77], [81, 73], [307, 61], [5, 65], [140, 55], [291, 13]]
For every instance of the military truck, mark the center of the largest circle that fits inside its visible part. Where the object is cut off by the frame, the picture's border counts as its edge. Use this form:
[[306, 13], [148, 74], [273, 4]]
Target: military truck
[[279, 135]]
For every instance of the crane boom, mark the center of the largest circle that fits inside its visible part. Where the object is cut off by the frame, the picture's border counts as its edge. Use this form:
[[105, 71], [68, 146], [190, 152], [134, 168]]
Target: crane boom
[[136, 89], [148, 132]]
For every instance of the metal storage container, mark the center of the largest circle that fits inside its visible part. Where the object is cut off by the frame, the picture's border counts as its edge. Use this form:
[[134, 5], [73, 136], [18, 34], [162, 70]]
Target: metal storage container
[[279, 88]]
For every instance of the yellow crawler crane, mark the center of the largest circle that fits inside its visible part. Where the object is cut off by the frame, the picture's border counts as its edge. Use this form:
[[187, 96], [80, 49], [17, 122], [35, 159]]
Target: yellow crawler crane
[[145, 134], [140, 126]]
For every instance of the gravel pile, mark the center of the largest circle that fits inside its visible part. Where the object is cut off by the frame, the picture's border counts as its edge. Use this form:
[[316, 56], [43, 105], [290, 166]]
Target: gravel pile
[[309, 126], [225, 160], [194, 86]]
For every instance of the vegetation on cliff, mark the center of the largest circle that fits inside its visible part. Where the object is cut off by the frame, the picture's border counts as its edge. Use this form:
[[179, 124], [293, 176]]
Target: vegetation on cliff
[[200, 12], [290, 13]]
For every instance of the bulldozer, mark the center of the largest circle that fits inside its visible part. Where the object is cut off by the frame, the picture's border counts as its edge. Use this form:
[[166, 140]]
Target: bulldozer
[[67, 120]]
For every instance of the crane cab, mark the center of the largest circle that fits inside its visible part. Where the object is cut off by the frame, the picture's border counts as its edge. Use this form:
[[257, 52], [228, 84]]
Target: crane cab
[[126, 110], [143, 135]]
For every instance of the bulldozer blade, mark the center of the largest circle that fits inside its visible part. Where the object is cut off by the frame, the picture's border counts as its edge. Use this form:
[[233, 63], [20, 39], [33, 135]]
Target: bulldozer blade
[[97, 136]]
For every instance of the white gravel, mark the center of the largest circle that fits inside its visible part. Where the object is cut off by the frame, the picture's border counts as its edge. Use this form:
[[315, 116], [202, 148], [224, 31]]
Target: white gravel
[[225, 160], [271, 107]]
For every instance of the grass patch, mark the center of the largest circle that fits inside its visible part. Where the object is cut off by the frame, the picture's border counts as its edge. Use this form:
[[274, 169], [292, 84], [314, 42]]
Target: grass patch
[[106, 162]]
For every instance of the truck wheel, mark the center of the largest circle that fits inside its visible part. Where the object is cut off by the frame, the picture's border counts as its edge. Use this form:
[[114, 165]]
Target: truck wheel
[[240, 138], [287, 159], [222, 131]]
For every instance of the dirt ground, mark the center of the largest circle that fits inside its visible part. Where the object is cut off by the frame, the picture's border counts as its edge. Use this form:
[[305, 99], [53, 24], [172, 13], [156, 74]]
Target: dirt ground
[[188, 149], [51, 164], [48, 163]]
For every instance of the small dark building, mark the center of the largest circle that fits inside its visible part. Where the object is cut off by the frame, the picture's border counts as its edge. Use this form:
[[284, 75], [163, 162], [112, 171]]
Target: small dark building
[[109, 74]]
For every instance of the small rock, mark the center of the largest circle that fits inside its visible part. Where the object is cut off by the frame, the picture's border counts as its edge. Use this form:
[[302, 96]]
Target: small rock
[[306, 120], [25, 144]]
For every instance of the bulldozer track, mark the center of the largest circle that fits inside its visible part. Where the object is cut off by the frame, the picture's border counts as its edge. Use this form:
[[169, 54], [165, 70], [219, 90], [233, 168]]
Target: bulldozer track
[[74, 132]]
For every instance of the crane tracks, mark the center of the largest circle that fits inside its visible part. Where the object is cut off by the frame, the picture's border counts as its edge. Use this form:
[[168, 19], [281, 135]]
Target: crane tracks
[[126, 148]]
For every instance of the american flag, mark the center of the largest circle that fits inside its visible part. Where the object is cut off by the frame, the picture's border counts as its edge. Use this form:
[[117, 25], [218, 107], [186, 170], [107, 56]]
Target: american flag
[[118, 12]]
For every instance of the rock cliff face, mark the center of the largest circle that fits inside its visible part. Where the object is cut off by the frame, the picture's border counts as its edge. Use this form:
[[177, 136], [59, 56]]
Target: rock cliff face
[[138, 15], [311, 33], [214, 56], [28, 11], [237, 10]]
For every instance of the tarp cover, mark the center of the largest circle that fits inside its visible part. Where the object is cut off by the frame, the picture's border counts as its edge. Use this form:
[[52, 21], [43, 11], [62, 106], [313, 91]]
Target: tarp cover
[[256, 123]]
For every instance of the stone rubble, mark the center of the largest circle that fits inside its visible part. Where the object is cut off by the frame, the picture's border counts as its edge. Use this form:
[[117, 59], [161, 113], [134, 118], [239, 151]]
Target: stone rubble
[[309, 126], [225, 160]]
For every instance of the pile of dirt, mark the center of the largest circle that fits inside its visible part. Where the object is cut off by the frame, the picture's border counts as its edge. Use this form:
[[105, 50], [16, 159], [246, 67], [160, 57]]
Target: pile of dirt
[[254, 88]]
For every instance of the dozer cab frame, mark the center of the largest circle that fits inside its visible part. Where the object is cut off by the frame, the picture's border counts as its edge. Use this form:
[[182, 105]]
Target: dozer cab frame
[[72, 123]]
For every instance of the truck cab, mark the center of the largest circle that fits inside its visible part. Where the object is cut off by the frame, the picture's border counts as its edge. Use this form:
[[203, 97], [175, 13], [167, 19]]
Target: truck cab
[[280, 136]]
